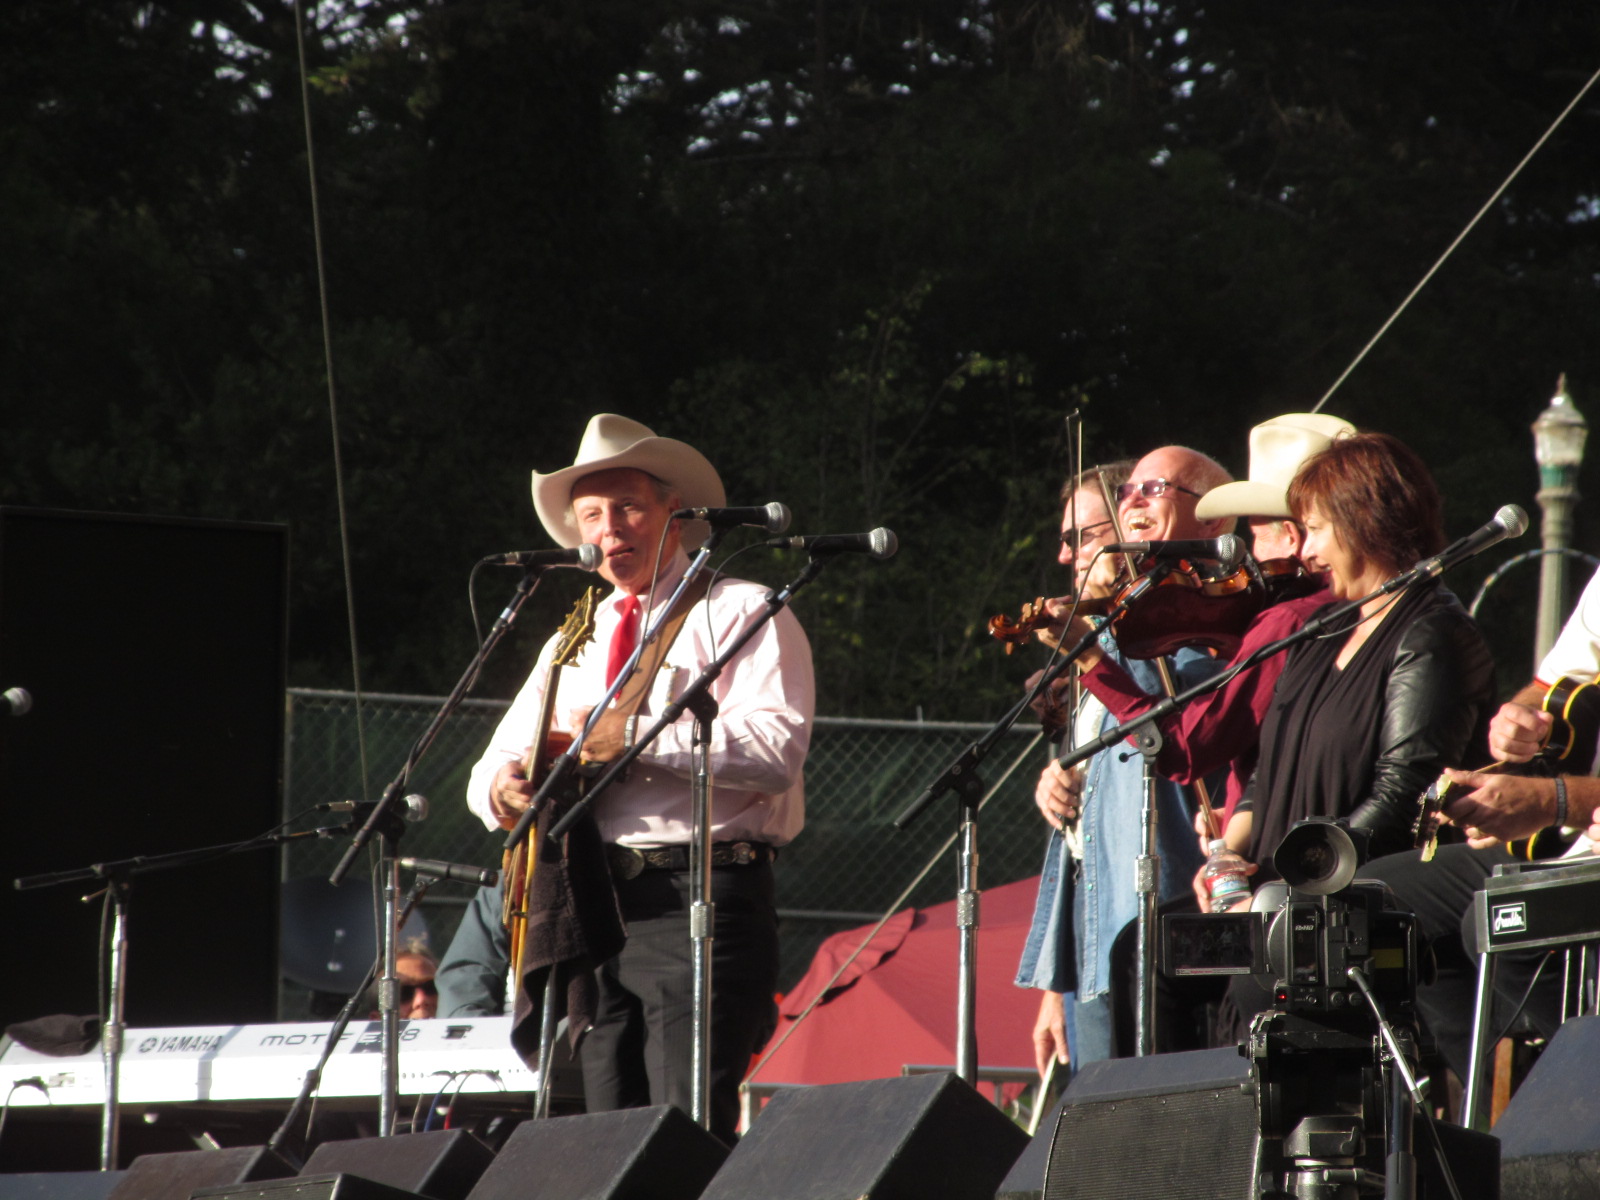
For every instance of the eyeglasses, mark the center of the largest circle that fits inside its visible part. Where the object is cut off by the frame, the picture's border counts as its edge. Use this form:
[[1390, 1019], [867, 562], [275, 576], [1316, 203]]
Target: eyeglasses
[[408, 991], [1150, 489], [1087, 533]]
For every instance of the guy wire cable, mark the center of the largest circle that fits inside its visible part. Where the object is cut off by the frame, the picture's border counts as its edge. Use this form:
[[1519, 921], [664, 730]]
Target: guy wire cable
[[1460, 237], [333, 399]]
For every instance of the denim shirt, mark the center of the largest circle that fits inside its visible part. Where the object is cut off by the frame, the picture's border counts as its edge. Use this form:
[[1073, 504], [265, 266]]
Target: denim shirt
[[1113, 798]]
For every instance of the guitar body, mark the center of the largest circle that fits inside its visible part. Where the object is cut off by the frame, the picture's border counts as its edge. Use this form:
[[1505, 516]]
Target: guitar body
[[1570, 749]]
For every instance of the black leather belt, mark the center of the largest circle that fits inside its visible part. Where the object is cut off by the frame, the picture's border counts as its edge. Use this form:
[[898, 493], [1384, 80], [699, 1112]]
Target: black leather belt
[[629, 862]]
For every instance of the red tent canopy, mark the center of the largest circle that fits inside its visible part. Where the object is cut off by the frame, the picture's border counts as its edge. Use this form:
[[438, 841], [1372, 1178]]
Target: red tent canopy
[[896, 1005]]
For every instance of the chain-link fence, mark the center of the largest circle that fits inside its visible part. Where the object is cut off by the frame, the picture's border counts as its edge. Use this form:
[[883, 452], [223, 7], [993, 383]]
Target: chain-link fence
[[847, 867]]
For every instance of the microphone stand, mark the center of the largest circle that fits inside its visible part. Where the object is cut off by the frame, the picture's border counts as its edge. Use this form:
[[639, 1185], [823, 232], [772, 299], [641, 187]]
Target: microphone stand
[[697, 699], [961, 777], [313, 1080], [383, 822], [118, 878]]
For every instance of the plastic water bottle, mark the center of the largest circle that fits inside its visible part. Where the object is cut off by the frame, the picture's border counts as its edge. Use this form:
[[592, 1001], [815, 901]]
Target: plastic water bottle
[[1225, 877]]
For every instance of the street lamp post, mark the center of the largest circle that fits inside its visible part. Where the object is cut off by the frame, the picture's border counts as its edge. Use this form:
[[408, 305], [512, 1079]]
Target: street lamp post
[[1558, 437]]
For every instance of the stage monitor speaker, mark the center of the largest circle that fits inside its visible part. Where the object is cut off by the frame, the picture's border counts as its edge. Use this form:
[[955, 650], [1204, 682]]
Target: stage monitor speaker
[[154, 653], [1183, 1127], [174, 1176], [1550, 1132], [887, 1139], [1165, 1127], [444, 1164], [307, 1187], [635, 1154], [59, 1185]]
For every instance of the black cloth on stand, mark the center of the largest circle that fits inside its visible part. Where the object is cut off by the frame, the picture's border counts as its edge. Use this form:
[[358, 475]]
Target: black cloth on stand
[[574, 924]]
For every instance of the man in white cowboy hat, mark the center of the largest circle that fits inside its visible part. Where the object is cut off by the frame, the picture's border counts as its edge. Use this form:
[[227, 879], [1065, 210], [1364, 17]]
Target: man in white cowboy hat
[[619, 493], [1216, 732]]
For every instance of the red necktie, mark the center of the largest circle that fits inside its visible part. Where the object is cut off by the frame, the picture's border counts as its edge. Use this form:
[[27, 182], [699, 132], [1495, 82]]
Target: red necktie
[[623, 640]]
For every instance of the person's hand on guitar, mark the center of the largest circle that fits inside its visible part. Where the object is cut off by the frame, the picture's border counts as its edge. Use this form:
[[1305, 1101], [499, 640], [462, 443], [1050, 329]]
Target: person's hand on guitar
[[510, 794], [1518, 732], [1501, 808], [607, 740]]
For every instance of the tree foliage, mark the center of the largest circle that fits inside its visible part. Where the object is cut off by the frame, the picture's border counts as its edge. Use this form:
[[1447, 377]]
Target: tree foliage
[[865, 254]]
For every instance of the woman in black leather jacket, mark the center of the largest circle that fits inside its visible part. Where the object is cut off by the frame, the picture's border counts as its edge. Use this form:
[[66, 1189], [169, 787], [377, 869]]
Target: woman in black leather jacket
[[1363, 720], [1361, 723]]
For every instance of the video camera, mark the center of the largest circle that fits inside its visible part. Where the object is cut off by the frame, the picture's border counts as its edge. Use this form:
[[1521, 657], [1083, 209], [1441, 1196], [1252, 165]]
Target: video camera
[[1307, 932], [1333, 1119]]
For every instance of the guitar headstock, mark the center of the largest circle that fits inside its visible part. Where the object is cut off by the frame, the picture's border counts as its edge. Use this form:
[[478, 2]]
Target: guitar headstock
[[1425, 829], [578, 629]]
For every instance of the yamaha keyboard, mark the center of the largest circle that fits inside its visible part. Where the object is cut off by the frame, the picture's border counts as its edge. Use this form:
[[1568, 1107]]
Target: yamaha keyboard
[[264, 1066]]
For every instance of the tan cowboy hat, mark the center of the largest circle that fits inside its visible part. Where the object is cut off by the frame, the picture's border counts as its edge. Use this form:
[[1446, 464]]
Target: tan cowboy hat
[[611, 442], [1277, 448]]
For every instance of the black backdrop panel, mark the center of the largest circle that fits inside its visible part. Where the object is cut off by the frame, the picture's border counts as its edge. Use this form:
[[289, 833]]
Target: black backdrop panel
[[154, 650]]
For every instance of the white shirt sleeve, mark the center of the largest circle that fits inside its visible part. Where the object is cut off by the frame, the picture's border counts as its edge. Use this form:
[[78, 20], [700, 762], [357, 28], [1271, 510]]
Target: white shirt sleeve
[[1577, 647]]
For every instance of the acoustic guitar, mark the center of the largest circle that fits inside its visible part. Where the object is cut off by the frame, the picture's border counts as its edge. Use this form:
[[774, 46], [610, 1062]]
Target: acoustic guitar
[[519, 862]]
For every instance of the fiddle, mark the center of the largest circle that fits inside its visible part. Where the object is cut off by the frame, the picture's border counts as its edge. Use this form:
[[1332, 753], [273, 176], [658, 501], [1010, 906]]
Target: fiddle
[[1187, 608]]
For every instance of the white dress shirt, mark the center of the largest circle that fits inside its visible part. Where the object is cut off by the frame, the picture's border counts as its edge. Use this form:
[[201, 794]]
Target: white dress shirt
[[766, 699]]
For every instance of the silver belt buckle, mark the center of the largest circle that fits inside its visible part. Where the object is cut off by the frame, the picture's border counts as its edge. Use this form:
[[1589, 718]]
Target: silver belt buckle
[[743, 854]]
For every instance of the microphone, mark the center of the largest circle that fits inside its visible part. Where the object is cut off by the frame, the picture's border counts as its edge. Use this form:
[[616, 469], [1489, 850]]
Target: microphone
[[17, 701], [587, 556], [416, 807], [460, 872], [1509, 522], [1228, 549], [774, 517], [880, 543]]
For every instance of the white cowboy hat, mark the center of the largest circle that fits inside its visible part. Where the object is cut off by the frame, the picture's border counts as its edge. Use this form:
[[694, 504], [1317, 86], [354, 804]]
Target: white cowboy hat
[[1277, 449], [611, 442]]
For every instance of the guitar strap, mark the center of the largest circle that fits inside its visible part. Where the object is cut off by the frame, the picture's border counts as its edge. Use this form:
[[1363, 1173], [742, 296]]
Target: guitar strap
[[632, 696]]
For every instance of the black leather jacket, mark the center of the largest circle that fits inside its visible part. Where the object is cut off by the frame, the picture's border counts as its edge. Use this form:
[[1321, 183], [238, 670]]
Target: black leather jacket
[[1435, 714], [1363, 743]]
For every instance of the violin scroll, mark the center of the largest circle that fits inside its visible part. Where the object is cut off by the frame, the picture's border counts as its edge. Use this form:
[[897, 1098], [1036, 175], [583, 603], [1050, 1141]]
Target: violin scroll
[[1035, 615]]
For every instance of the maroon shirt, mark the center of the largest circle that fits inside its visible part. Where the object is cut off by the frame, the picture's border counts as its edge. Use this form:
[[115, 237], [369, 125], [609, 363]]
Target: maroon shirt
[[1221, 728]]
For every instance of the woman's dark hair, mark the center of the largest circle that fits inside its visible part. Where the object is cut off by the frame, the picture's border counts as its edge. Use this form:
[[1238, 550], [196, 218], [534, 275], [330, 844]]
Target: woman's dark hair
[[1378, 495]]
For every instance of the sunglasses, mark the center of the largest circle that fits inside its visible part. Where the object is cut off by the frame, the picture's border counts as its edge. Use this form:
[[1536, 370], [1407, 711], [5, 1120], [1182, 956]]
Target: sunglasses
[[1087, 532], [1150, 489], [408, 991]]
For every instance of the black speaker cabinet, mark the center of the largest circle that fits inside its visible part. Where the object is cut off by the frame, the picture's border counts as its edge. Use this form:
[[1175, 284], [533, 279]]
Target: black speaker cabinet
[[1183, 1127], [1550, 1132], [154, 651], [174, 1176], [887, 1139], [635, 1154], [59, 1185], [444, 1164], [1166, 1127], [307, 1187]]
